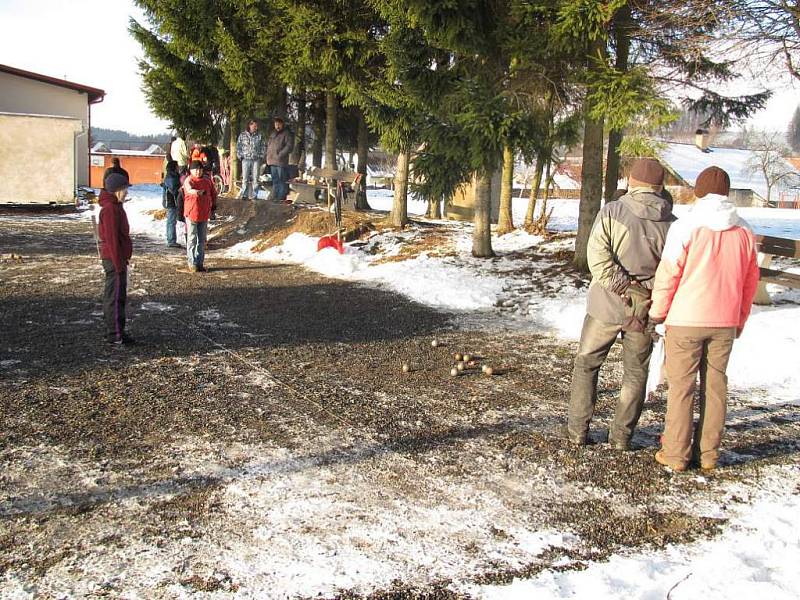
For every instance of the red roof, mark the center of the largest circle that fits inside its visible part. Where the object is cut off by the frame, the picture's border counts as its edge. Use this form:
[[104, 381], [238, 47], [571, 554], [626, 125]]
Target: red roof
[[95, 94]]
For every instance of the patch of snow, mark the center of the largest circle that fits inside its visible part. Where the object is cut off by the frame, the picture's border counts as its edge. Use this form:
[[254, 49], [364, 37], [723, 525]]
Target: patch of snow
[[156, 307], [756, 556]]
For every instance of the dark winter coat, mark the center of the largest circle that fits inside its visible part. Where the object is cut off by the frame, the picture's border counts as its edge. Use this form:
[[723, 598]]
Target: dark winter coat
[[211, 164], [171, 185], [279, 147], [625, 246], [111, 170], [114, 232]]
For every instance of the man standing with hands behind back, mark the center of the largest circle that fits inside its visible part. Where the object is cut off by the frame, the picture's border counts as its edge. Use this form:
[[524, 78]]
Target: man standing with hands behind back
[[624, 250]]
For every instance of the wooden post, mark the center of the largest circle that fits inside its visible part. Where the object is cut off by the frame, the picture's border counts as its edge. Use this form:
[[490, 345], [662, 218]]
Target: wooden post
[[762, 297]]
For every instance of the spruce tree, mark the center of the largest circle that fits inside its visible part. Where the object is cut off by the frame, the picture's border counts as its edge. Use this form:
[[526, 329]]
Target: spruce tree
[[204, 69]]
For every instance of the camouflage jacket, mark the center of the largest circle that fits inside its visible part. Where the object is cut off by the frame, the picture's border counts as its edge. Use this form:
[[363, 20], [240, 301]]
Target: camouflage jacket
[[250, 146]]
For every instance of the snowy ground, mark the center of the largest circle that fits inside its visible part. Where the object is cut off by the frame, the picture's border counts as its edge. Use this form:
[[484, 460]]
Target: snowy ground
[[525, 289]]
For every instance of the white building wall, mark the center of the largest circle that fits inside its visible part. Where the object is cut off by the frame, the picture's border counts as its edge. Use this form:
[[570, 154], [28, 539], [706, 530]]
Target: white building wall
[[28, 96], [37, 173]]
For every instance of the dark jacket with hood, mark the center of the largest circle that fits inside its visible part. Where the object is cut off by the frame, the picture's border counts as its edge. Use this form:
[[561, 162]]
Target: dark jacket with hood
[[114, 232], [171, 185], [624, 248]]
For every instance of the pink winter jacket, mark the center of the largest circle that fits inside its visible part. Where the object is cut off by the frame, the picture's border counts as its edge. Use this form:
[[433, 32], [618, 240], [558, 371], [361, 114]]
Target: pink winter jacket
[[708, 274]]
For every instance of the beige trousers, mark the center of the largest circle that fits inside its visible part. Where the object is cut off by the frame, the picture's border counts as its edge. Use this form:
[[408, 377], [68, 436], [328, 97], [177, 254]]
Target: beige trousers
[[689, 351]]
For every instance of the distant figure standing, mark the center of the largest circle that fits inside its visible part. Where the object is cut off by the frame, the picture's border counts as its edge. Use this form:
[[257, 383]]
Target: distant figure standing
[[169, 200], [200, 199], [279, 146], [179, 153], [250, 148], [167, 158], [704, 289], [115, 168], [116, 250], [210, 159], [196, 153]]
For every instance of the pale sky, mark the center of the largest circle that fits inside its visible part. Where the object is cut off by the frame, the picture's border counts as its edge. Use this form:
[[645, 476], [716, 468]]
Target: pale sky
[[87, 41]]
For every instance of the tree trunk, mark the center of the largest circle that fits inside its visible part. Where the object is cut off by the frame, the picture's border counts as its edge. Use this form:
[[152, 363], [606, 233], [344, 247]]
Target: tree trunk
[[622, 34], [319, 132], [297, 156], [592, 171], [363, 159], [399, 215], [537, 182], [331, 104], [548, 181], [482, 235], [612, 164], [505, 221], [435, 209], [283, 100], [233, 117]]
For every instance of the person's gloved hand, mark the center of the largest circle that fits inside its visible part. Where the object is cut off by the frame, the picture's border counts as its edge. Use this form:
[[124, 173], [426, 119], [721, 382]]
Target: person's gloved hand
[[655, 328]]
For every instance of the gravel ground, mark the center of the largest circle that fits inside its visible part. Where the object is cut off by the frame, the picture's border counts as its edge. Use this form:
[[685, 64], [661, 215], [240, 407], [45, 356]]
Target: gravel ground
[[264, 416]]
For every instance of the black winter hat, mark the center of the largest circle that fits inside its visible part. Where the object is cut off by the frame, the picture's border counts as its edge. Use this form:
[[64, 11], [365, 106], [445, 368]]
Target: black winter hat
[[196, 164], [115, 182]]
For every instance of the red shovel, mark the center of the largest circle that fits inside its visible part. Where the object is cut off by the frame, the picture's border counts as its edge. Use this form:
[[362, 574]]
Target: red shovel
[[330, 241]]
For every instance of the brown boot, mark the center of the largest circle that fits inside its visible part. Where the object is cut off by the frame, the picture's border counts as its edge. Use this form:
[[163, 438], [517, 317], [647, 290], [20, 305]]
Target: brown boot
[[676, 466], [705, 465]]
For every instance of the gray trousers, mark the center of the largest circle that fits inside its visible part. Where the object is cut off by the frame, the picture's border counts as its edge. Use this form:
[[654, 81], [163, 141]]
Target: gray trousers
[[115, 293], [196, 235], [596, 341]]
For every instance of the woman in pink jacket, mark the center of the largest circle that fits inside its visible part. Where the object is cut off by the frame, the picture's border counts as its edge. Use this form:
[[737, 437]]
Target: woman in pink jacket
[[703, 291]]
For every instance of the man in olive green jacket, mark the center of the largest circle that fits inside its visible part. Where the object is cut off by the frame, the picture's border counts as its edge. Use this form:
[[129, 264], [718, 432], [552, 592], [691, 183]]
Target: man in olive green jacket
[[623, 252]]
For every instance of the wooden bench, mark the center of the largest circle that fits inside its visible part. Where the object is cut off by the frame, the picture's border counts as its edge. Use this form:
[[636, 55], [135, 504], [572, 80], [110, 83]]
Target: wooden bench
[[769, 247], [307, 193]]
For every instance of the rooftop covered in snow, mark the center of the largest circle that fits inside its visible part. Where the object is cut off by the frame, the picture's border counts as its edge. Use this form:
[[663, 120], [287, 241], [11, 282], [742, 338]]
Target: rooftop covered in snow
[[686, 161]]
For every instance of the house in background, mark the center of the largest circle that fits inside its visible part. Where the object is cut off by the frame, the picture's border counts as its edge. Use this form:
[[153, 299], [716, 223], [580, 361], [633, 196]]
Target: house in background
[[44, 129], [684, 162], [143, 166]]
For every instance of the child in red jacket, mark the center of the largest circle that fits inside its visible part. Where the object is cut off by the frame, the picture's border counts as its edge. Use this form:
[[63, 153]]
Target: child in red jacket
[[200, 198], [115, 252]]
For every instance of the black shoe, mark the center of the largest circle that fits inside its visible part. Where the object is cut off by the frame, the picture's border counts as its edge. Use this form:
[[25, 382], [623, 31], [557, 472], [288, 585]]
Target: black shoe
[[127, 340], [201, 269]]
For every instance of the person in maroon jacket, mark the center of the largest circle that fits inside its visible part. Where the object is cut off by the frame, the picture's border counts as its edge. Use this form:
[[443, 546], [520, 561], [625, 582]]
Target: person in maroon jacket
[[199, 201], [115, 252]]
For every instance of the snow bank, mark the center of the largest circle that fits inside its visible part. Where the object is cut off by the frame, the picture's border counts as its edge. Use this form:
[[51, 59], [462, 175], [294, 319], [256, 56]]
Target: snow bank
[[766, 355], [757, 556]]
